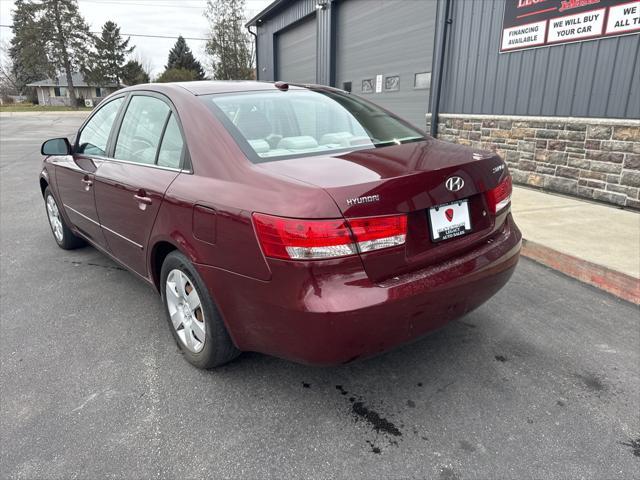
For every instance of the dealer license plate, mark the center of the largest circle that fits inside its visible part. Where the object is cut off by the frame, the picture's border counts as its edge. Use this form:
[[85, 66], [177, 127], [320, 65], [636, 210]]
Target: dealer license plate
[[450, 220]]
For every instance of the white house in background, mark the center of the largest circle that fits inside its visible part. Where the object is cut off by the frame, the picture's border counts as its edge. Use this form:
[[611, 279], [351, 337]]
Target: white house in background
[[55, 91]]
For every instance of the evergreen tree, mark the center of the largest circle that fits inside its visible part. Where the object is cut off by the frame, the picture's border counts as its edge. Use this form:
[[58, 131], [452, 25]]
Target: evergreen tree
[[177, 75], [27, 52], [133, 73], [111, 51], [181, 57], [229, 46], [66, 37]]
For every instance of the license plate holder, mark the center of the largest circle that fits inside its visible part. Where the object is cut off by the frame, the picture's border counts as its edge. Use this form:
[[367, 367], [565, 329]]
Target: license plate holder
[[449, 220]]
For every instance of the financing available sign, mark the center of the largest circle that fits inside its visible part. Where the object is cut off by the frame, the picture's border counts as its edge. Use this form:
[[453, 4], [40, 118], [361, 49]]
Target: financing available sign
[[541, 23]]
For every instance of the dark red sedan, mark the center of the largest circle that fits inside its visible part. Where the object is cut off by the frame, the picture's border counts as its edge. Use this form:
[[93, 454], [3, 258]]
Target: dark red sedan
[[301, 222]]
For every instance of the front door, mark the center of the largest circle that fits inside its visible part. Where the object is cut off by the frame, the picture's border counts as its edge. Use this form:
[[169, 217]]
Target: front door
[[75, 175], [130, 187]]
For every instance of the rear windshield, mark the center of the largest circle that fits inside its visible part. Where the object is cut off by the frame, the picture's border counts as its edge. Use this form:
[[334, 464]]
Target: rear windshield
[[297, 123]]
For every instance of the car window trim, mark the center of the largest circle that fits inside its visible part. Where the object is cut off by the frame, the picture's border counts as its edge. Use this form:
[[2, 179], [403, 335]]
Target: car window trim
[[164, 129], [185, 159]]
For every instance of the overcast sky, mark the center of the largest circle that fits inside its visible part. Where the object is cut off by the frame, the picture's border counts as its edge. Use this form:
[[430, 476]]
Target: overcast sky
[[148, 17]]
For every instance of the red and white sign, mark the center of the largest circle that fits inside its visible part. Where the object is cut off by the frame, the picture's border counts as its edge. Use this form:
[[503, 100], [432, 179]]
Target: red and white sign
[[576, 27], [524, 36], [539, 23], [623, 18], [449, 221]]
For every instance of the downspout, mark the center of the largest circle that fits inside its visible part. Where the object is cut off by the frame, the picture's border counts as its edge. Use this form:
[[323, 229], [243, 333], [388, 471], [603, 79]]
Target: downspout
[[435, 110], [255, 40]]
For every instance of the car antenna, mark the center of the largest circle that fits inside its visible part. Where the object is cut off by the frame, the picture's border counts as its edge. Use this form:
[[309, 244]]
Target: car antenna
[[282, 86]]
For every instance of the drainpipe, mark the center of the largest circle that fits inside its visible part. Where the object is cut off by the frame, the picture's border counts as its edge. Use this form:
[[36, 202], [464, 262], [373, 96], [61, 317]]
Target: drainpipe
[[435, 110], [255, 39]]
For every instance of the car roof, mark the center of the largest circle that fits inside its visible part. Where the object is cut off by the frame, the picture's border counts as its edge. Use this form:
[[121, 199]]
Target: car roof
[[208, 87]]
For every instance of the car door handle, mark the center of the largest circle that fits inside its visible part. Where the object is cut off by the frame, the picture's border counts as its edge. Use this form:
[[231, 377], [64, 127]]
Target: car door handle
[[87, 182], [143, 199]]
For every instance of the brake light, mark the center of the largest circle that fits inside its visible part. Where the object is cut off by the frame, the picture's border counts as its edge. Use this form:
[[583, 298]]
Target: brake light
[[297, 239], [375, 233], [499, 197]]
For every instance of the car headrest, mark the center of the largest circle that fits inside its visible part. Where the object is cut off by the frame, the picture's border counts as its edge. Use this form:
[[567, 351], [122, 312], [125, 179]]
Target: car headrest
[[335, 137], [260, 146], [298, 143]]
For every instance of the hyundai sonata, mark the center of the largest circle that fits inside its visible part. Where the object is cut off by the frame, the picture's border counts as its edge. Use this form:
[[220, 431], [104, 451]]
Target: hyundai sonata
[[298, 221]]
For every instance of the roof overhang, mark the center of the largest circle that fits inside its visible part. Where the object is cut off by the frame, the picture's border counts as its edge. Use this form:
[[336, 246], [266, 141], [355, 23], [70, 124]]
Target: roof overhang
[[271, 8]]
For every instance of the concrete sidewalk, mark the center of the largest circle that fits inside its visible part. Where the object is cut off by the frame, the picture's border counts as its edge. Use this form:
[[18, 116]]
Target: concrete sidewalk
[[594, 243]]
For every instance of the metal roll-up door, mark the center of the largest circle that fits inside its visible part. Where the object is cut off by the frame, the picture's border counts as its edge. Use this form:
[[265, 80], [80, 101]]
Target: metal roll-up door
[[296, 52], [392, 39]]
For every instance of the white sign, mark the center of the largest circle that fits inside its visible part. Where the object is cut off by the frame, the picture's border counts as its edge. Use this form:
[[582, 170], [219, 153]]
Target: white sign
[[623, 18], [575, 27], [449, 221], [522, 36], [378, 83]]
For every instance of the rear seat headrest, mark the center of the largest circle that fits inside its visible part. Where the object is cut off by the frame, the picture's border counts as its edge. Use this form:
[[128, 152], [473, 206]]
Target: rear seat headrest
[[298, 143]]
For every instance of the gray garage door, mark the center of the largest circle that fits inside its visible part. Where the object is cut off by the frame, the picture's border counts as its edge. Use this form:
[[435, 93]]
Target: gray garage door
[[296, 52], [387, 44]]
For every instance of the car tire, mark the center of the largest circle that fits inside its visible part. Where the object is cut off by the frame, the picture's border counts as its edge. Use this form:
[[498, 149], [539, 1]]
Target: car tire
[[62, 234], [195, 321]]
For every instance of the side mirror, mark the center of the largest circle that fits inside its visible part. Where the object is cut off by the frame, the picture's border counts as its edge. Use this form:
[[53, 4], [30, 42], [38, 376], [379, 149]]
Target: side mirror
[[56, 146]]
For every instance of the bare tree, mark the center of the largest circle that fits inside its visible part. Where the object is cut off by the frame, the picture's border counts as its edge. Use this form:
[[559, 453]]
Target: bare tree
[[230, 47], [145, 62], [8, 81]]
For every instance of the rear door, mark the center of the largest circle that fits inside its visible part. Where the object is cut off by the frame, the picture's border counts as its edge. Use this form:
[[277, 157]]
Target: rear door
[[75, 175], [148, 154]]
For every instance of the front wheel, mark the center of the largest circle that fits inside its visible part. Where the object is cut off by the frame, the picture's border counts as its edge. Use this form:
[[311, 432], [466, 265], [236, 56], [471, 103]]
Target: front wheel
[[195, 321], [62, 234]]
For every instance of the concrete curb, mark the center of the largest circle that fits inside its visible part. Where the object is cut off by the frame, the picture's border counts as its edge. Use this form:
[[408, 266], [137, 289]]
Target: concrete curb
[[616, 283]]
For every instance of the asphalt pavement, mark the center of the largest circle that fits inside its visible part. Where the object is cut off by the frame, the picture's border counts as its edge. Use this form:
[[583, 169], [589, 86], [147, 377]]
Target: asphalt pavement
[[543, 381]]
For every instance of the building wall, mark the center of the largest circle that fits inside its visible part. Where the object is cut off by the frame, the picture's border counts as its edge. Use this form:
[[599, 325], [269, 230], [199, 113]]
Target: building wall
[[598, 78], [585, 88], [598, 159], [392, 38], [287, 16], [46, 95]]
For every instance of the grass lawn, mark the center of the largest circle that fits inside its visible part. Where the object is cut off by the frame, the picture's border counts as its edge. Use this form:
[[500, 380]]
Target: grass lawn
[[28, 107]]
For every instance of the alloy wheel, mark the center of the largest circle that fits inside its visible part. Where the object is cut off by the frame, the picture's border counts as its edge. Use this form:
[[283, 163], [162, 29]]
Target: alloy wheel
[[185, 310], [54, 218]]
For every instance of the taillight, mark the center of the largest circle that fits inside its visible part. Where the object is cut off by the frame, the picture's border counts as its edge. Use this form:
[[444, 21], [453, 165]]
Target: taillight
[[374, 233], [296, 239], [499, 197]]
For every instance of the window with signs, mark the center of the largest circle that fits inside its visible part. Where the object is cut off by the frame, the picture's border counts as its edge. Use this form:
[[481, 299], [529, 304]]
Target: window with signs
[[94, 136], [392, 83]]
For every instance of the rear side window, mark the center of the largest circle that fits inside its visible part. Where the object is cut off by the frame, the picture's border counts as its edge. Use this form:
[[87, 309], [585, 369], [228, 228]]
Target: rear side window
[[95, 134], [141, 130], [170, 154]]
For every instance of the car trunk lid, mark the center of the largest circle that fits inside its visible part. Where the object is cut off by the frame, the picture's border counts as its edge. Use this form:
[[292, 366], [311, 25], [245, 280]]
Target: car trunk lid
[[409, 179]]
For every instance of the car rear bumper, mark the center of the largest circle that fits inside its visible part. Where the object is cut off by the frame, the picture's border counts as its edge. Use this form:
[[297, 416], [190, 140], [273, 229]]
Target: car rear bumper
[[327, 313]]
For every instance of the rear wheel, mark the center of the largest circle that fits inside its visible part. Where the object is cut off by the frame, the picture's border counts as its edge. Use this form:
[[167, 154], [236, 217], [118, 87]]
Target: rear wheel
[[195, 321], [62, 234]]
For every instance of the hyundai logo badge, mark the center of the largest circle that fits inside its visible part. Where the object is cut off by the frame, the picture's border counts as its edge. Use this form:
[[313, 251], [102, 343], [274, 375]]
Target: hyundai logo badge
[[454, 184]]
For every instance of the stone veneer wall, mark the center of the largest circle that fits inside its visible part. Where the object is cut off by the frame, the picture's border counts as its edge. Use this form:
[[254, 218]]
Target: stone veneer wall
[[598, 159]]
